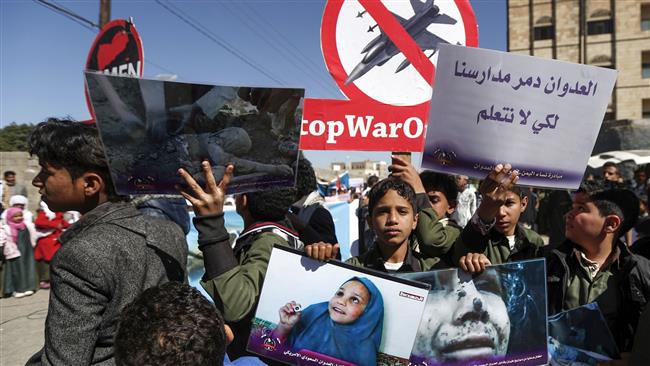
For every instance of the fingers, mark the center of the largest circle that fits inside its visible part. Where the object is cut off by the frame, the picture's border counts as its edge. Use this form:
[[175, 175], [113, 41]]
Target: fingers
[[474, 262], [227, 176], [194, 187], [210, 184], [322, 251]]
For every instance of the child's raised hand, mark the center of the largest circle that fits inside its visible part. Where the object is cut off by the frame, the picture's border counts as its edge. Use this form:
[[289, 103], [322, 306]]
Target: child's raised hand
[[406, 172], [209, 201], [322, 251], [474, 262], [290, 314], [498, 182]]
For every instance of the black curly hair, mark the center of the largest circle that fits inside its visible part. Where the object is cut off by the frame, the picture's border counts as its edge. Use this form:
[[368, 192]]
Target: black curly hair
[[74, 146], [391, 183], [171, 324], [445, 183], [270, 205]]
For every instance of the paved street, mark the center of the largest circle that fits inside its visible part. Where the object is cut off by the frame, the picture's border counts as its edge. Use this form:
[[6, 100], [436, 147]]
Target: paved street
[[21, 327]]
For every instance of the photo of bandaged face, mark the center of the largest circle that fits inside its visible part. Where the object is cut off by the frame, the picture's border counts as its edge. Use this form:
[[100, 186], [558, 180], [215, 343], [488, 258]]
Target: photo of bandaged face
[[464, 318]]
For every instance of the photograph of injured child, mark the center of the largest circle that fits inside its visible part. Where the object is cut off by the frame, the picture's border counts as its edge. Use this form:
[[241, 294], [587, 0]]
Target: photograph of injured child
[[151, 128], [497, 315]]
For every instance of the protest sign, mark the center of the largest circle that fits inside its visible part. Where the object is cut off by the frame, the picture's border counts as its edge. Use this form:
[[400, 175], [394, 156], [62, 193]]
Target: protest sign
[[580, 336], [151, 128], [495, 318], [315, 313], [116, 50], [382, 56], [540, 115]]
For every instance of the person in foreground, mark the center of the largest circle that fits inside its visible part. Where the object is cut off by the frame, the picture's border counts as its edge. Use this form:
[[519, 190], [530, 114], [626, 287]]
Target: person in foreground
[[593, 264], [234, 275], [348, 326], [173, 325], [106, 259]]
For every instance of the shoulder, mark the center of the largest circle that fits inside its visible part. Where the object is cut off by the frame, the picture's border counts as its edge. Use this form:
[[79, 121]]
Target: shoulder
[[531, 236]]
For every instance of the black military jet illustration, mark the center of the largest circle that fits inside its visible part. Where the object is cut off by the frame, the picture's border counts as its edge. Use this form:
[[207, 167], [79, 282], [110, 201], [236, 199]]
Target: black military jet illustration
[[381, 49]]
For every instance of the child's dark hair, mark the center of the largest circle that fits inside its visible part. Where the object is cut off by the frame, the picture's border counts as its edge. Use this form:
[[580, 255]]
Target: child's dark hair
[[270, 205], [380, 189], [445, 183], [306, 182], [610, 199], [171, 324], [74, 146]]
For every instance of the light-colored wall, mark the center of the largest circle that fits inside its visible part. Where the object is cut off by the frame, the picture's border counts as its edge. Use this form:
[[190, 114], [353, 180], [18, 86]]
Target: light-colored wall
[[26, 169]]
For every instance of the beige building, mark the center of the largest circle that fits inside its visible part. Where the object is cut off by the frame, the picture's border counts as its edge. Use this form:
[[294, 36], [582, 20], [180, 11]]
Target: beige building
[[606, 33]]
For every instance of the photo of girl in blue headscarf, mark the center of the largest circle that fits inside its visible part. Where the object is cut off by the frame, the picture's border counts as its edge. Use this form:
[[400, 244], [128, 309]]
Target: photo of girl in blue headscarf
[[347, 327]]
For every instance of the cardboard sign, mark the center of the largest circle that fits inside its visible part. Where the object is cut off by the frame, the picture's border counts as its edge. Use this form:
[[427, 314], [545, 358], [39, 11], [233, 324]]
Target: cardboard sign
[[116, 50], [151, 128], [540, 115], [382, 56], [315, 313], [497, 317]]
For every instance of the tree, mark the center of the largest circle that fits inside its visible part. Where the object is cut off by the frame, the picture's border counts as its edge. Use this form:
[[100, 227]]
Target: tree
[[13, 137]]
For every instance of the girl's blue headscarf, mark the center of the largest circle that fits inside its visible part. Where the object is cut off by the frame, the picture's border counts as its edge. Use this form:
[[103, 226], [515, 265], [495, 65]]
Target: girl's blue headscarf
[[357, 342]]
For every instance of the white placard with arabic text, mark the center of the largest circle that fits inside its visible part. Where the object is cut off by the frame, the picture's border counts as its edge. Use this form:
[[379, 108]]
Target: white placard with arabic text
[[540, 115]]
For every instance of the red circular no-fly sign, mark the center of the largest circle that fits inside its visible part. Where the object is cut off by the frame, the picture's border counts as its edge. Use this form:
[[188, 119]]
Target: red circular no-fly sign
[[385, 51], [117, 50]]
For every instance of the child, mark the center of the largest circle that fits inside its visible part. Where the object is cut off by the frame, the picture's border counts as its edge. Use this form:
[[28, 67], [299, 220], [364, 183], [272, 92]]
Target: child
[[393, 218], [173, 325], [347, 327], [593, 264], [493, 235], [107, 258], [50, 226], [18, 239], [435, 196], [234, 274]]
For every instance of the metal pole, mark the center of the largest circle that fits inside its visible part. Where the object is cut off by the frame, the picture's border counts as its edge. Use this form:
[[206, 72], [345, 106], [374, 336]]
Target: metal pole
[[104, 12]]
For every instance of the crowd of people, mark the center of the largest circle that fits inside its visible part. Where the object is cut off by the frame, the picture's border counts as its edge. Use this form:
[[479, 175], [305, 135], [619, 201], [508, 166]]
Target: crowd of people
[[118, 281]]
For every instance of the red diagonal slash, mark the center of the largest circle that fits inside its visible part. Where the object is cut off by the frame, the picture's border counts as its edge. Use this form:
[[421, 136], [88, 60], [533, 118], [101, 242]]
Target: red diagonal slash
[[400, 37]]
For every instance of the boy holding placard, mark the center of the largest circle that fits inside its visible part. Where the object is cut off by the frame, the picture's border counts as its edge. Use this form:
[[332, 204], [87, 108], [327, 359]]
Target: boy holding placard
[[493, 235], [234, 275]]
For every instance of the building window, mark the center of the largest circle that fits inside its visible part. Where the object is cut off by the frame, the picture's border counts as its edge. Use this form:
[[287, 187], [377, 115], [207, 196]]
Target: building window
[[645, 64], [645, 17], [646, 109], [544, 32], [599, 27]]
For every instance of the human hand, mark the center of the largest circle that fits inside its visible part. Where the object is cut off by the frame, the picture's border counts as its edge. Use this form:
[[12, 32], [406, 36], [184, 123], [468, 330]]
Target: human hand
[[405, 171], [474, 262], [322, 251], [289, 316], [209, 201]]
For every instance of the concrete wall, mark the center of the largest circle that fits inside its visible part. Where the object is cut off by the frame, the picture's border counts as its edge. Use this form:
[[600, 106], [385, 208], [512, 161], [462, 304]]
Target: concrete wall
[[26, 169], [623, 135]]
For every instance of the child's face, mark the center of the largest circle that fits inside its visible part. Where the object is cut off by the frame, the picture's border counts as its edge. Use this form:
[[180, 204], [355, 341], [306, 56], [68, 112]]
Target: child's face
[[393, 219], [439, 203], [58, 189], [584, 223], [349, 302], [17, 217], [509, 212]]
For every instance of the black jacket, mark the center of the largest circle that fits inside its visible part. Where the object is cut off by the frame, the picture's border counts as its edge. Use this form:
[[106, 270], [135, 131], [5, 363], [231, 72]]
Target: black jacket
[[622, 316]]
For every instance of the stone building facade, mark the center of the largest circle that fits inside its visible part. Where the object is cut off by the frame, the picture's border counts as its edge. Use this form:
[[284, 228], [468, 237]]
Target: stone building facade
[[606, 33]]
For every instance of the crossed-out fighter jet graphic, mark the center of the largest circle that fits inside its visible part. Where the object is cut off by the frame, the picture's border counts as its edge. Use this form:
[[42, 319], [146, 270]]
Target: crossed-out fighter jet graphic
[[381, 49]]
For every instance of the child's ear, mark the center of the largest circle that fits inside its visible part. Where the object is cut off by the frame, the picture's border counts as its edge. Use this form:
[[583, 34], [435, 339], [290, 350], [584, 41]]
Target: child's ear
[[93, 184], [524, 203], [451, 210], [369, 221], [612, 223], [416, 217]]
